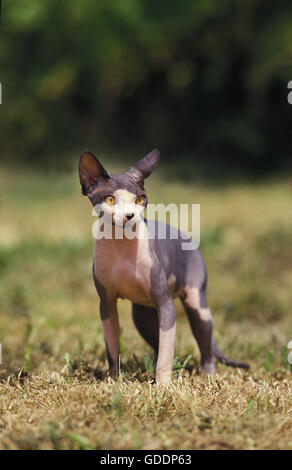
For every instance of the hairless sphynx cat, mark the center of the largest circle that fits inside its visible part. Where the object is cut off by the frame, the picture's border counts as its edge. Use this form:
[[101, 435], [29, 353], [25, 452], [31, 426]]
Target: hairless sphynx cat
[[147, 270]]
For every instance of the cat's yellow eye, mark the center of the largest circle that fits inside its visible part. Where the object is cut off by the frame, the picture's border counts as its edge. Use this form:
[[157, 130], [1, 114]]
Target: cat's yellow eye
[[140, 200], [110, 200]]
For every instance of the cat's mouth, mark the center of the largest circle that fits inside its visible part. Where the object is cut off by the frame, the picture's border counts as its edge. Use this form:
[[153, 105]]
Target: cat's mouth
[[125, 224]]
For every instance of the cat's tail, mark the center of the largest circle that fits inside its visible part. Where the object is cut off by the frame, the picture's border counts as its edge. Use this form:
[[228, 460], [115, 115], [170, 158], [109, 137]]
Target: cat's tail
[[224, 360]]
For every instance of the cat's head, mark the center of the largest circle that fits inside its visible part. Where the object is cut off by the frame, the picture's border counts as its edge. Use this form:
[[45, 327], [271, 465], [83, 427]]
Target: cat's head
[[121, 197]]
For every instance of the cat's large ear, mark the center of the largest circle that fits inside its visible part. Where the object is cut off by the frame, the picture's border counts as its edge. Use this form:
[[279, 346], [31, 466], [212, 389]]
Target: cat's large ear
[[91, 172], [144, 167]]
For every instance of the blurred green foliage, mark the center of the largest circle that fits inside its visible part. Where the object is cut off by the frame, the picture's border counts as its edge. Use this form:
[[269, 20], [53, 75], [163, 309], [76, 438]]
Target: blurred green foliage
[[200, 77]]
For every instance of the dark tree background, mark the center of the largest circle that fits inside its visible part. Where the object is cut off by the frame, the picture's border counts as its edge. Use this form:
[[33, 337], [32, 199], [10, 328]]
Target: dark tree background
[[203, 78]]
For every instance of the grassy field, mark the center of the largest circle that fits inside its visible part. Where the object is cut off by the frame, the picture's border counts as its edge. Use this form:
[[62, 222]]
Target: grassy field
[[54, 391]]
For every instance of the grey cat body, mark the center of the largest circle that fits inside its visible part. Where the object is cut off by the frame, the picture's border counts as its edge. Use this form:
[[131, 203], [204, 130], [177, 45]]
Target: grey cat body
[[147, 270]]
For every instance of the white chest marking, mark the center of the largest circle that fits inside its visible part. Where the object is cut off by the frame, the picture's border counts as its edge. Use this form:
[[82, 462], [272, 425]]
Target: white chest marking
[[123, 267]]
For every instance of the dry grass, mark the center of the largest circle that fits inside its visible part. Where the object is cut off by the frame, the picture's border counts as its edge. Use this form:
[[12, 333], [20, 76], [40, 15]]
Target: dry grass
[[54, 392], [229, 410]]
